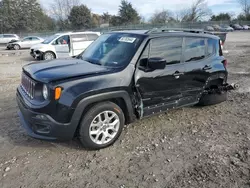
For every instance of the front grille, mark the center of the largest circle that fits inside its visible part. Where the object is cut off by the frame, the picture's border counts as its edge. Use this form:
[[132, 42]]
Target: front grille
[[28, 86]]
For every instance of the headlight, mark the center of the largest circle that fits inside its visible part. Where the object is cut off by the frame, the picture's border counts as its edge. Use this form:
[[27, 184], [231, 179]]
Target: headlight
[[45, 92]]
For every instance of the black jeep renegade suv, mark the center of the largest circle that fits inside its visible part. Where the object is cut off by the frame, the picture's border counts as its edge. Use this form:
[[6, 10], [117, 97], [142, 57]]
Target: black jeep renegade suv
[[121, 77]]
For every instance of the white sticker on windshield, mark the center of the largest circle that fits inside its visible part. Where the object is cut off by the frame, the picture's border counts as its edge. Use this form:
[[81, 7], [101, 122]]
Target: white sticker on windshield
[[127, 39]]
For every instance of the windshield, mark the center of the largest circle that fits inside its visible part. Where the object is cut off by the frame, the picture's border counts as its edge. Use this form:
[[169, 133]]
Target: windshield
[[113, 50], [49, 39]]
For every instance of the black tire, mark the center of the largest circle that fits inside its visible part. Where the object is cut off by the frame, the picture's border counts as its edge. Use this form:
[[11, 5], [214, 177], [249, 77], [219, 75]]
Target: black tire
[[84, 129], [212, 99], [16, 47], [48, 54]]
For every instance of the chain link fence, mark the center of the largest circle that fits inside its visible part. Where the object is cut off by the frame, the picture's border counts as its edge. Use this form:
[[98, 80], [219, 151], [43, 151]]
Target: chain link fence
[[187, 25]]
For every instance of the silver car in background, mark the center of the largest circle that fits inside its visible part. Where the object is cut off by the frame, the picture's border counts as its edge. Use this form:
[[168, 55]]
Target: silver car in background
[[26, 42], [5, 38]]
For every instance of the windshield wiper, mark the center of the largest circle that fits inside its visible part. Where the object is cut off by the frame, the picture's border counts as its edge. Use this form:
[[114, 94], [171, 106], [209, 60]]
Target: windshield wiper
[[90, 61]]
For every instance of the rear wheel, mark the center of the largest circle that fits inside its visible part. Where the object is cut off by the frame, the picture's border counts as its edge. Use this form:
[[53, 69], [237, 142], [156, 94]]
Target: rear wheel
[[48, 56], [101, 125], [212, 99]]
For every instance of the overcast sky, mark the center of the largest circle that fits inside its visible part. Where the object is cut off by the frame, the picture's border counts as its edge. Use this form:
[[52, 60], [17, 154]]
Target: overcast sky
[[147, 7]]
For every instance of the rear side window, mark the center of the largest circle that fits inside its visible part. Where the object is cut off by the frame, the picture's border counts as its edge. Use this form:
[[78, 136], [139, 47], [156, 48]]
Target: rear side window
[[92, 36], [168, 48], [79, 37], [211, 46], [194, 49]]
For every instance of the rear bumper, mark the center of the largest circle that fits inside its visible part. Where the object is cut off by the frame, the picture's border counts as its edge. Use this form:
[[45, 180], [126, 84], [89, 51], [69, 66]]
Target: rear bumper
[[42, 126]]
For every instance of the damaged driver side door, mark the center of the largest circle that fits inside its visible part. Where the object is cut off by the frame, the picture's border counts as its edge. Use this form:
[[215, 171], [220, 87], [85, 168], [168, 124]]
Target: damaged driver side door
[[160, 75]]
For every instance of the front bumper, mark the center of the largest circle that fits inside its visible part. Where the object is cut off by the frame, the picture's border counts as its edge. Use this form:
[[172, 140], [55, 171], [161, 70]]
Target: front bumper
[[9, 46], [36, 54], [42, 126]]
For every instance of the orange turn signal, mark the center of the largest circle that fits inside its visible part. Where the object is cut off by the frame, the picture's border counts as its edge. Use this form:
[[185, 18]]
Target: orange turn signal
[[58, 92]]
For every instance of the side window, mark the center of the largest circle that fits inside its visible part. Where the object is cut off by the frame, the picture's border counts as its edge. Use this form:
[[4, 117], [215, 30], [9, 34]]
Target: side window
[[34, 38], [194, 49], [1, 36], [8, 36], [92, 36], [27, 39], [79, 37], [168, 48], [211, 44], [62, 40]]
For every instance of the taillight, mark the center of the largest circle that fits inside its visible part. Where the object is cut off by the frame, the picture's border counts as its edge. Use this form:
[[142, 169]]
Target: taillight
[[224, 63]]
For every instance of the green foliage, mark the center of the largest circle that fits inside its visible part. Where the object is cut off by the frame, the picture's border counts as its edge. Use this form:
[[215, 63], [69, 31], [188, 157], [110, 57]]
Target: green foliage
[[96, 20], [23, 15], [105, 17], [128, 15], [243, 17], [80, 17], [115, 21], [221, 17]]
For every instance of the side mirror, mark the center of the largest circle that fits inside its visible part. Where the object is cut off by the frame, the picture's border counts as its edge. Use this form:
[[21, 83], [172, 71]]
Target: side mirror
[[156, 63]]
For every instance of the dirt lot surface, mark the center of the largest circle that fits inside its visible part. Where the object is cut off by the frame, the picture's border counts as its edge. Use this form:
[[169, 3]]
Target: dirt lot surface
[[190, 147]]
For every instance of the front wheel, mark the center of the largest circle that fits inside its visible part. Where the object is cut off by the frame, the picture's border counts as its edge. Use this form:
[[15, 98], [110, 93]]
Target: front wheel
[[101, 125], [48, 56], [16, 47]]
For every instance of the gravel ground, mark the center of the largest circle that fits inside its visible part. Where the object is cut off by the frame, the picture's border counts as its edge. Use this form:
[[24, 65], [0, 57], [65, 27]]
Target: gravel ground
[[189, 147]]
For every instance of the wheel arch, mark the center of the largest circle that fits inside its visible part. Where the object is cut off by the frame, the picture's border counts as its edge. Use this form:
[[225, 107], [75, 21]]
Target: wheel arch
[[48, 52], [120, 98], [216, 79]]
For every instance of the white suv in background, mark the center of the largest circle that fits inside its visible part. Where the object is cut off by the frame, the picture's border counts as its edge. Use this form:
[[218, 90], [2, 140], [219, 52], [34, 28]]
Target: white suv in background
[[6, 38], [63, 45]]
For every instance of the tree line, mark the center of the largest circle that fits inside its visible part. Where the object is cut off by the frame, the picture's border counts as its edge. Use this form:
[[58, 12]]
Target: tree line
[[30, 16]]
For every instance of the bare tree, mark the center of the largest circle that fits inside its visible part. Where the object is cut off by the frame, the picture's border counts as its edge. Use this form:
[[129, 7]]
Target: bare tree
[[197, 11], [60, 9], [245, 5], [160, 17]]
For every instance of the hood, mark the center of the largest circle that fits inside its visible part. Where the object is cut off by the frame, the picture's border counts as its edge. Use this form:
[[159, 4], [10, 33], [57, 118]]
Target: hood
[[55, 70], [13, 41], [39, 46]]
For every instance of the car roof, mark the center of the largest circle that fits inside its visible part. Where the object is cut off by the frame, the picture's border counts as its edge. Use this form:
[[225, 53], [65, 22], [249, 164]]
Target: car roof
[[84, 32], [32, 36], [8, 34], [170, 32]]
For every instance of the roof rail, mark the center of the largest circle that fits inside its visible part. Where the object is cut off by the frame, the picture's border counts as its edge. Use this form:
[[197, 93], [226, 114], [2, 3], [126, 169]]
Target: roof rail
[[126, 29], [164, 29]]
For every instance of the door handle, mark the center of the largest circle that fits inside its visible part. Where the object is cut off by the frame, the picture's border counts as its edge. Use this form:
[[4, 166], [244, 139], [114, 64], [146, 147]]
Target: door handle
[[207, 67], [177, 74]]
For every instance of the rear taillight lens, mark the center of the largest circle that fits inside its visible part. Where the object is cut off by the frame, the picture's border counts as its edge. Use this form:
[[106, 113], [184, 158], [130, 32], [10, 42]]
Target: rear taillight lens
[[224, 63]]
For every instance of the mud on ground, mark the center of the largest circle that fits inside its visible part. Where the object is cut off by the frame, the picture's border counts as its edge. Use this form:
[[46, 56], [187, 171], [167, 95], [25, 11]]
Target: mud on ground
[[189, 147]]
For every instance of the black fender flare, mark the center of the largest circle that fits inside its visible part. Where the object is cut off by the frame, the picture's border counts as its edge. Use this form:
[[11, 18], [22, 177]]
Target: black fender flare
[[77, 115]]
